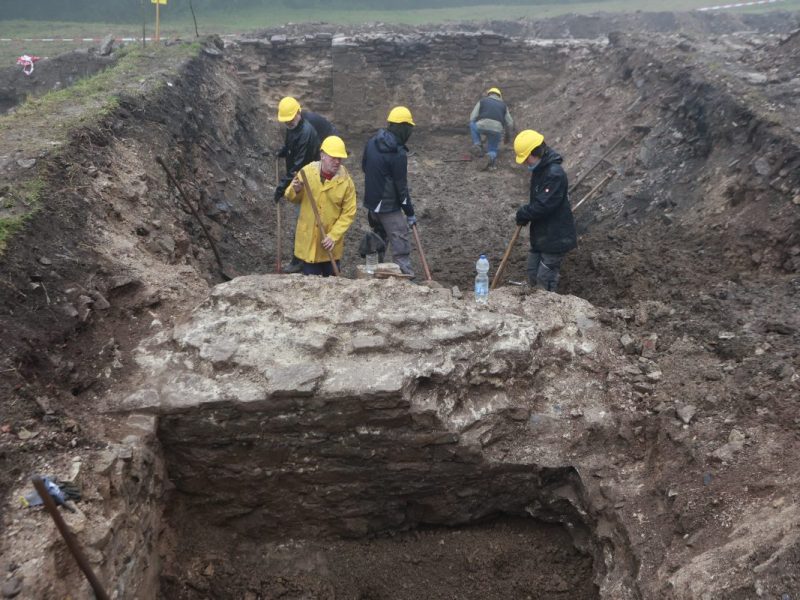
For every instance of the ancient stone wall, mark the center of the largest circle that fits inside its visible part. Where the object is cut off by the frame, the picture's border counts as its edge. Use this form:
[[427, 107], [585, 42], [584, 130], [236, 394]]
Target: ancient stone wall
[[356, 80]]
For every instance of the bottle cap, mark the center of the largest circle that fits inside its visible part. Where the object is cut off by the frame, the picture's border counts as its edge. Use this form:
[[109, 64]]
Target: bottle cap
[[483, 256]]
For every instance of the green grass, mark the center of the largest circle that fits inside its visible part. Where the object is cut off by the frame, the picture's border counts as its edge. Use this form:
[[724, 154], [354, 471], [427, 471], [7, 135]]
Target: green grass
[[23, 201], [244, 20], [100, 92], [229, 21], [8, 227], [41, 125]]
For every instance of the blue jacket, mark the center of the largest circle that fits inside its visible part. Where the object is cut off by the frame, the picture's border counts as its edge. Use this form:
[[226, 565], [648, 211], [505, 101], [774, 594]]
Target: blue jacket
[[548, 211], [385, 166]]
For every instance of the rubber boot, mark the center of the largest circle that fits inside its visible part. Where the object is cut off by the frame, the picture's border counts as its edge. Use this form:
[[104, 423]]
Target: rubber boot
[[295, 266]]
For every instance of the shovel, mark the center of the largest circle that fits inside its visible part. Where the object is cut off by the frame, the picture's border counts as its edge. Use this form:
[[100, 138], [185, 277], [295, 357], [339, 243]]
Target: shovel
[[227, 273]]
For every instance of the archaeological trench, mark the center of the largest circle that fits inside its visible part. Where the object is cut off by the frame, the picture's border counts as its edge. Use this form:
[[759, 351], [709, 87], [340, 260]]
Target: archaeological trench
[[273, 436]]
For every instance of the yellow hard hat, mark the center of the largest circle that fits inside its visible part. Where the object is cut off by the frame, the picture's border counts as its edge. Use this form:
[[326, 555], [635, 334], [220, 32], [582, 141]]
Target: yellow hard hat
[[400, 114], [333, 146], [287, 109], [494, 90], [525, 143]]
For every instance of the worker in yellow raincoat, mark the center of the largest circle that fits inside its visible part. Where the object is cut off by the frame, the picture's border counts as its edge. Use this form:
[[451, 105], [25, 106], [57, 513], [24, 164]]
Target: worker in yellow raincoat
[[335, 195]]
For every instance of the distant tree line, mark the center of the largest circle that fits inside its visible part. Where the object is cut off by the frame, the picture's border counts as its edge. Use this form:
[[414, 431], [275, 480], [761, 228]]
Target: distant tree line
[[114, 11]]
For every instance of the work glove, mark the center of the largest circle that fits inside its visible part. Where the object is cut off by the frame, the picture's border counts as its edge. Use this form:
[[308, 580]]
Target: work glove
[[521, 218], [282, 152], [412, 220], [69, 489], [279, 191]]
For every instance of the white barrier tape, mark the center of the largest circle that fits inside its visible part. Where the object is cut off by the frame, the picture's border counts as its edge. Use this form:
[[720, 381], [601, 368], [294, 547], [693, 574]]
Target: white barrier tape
[[78, 40], [81, 40], [739, 5]]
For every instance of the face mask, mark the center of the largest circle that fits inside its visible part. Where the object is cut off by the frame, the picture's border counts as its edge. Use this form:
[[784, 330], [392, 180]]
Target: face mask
[[534, 165]]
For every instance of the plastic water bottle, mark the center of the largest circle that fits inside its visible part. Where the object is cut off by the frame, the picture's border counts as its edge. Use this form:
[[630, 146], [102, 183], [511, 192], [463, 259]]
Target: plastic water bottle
[[482, 280], [372, 262]]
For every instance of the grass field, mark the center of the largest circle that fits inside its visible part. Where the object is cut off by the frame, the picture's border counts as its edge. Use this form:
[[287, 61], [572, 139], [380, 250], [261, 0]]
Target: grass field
[[223, 22]]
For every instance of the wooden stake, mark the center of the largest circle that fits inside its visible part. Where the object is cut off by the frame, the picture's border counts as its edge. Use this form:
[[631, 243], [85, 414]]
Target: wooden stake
[[158, 24], [503, 262], [421, 253]]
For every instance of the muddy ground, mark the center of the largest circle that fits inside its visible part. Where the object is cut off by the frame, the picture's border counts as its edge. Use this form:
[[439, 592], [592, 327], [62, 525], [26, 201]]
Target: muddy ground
[[508, 558], [691, 249]]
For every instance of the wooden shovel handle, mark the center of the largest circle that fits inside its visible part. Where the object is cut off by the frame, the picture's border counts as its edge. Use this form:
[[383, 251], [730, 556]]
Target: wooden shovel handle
[[421, 253], [279, 240], [503, 262], [313, 201]]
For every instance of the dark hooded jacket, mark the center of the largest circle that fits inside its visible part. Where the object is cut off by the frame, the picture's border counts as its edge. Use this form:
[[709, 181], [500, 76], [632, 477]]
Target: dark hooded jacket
[[385, 166], [302, 147], [322, 126], [548, 211]]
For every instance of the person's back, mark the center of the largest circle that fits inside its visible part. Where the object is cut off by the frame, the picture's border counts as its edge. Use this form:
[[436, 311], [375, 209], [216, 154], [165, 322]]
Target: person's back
[[490, 118], [321, 125], [492, 108]]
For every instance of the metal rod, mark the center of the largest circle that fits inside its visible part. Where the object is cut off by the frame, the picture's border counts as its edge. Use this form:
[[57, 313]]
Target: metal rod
[[594, 189], [194, 18], [594, 166], [196, 215], [69, 538], [421, 253], [503, 262], [318, 218]]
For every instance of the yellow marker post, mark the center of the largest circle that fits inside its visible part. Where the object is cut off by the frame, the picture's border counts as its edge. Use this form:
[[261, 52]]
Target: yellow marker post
[[158, 4]]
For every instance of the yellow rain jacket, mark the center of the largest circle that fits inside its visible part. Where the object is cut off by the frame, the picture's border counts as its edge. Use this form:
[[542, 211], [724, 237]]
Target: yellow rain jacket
[[336, 202]]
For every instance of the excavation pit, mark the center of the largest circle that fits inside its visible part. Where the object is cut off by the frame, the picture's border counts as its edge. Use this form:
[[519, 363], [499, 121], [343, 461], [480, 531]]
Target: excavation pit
[[266, 504], [643, 436], [377, 435]]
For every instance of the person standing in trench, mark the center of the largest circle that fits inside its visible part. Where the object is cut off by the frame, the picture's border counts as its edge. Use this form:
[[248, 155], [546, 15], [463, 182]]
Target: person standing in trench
[[300, 147], [552, 226], [335, 194], [386, 195]]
